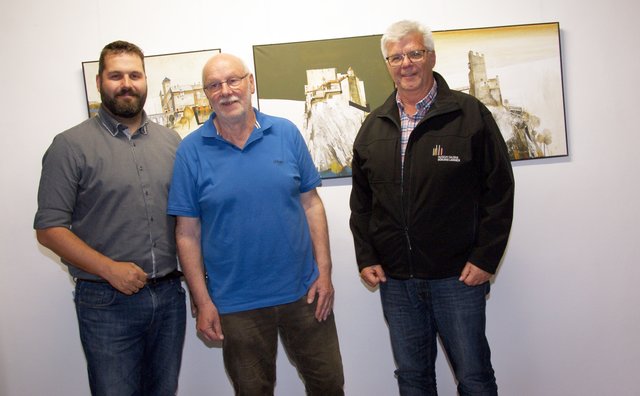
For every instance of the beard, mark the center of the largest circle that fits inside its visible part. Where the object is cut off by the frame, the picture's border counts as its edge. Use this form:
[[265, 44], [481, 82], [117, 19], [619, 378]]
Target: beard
[[121, 107]]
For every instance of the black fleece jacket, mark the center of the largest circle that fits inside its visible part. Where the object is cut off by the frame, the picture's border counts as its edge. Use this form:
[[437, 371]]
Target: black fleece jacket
[[453, 202]]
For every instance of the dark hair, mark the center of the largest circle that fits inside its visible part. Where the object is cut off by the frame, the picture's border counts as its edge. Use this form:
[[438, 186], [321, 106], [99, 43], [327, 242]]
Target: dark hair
[[119, 47]]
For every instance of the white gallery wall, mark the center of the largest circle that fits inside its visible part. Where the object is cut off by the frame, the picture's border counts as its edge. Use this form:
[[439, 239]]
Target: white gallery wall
[[563, 317]]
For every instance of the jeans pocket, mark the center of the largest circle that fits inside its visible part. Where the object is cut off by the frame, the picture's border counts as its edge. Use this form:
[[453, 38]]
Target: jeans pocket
[[181, 290], [93, 294]]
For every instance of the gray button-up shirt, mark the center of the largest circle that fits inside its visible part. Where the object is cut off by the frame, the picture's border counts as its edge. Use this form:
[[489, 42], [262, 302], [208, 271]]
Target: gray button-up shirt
[[111, 191]]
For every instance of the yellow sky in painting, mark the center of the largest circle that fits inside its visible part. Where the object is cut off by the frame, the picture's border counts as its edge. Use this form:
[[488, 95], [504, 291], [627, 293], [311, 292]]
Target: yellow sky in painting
[[502, 47]]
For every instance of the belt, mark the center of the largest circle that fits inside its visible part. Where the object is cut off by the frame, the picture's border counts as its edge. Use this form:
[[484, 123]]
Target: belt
[[171, 275], [150, 281]]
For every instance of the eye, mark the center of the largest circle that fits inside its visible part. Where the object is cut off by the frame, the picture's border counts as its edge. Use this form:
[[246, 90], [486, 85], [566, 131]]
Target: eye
[[214, 86]]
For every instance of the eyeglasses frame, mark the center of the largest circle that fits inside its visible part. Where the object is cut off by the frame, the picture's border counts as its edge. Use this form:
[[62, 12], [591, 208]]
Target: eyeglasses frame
[[235, 84]]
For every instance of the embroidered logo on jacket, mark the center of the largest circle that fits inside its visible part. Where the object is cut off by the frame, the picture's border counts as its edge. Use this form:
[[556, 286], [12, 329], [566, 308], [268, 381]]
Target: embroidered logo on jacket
[[438, 151]]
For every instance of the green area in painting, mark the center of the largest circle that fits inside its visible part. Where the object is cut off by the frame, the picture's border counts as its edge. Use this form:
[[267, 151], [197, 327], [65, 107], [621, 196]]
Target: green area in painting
[[281, 68]]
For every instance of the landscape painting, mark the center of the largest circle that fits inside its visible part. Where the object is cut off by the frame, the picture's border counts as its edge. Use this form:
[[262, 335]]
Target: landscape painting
[[328, 87], [516, 72]]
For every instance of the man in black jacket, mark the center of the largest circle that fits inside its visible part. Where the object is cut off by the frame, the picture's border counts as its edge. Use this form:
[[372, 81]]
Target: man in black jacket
[[431, 211]]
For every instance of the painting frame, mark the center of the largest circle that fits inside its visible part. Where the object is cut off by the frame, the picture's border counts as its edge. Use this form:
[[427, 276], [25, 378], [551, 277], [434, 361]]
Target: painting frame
[[175, 97], [280, 69]]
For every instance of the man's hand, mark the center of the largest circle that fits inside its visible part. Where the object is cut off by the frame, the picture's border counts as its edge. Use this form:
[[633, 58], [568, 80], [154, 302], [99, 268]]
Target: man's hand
[[126, 277], [324, 289], [474, 276], [373, 275], [208, 322]]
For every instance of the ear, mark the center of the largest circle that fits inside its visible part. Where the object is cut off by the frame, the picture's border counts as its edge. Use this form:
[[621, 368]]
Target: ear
[[431, 58], [252, 84], [98, 82]]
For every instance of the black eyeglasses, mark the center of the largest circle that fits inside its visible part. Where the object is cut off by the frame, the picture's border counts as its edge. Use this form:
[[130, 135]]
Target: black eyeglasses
[[414, 56], [233, 82]]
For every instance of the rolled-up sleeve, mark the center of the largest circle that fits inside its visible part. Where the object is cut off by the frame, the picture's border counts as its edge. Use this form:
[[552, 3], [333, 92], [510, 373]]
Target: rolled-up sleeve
[[58, 186]]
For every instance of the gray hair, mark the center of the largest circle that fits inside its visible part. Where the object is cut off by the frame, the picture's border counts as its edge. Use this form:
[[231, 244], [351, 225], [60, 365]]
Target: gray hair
[[398, 30]]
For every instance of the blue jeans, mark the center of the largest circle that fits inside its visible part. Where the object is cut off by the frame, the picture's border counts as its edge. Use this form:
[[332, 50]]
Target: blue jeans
[[133, 344], [417, 311], [251, 341]]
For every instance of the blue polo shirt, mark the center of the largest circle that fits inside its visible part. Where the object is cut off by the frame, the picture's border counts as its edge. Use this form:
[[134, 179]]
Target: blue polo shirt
[[255, 238]]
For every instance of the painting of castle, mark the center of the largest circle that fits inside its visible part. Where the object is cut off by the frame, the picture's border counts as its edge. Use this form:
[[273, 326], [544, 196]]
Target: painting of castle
[[184, 107], [175, 97], [335, 107], [520, 128], [320, 87], [516, 72]]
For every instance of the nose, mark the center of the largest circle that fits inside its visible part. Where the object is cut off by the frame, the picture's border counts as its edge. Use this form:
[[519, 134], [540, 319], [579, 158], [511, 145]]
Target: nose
[[406, 59], [126, 81], [225, 89]]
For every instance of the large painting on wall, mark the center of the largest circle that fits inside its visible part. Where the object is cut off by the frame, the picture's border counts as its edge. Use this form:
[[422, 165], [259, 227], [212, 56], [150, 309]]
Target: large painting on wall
[[516, 72], [175, 97], [326, 88]]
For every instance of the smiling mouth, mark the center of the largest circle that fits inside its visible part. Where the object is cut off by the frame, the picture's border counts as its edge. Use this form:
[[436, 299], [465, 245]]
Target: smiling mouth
[[228, 102]]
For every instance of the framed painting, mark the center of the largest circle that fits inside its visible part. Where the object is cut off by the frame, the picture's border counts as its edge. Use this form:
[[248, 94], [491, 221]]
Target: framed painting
[[175, 97], [516, 71], [326, 88]]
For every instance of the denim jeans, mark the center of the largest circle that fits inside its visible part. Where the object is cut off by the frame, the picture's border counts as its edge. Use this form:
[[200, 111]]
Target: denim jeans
[[133, 344], [251, 341], [417, 311]]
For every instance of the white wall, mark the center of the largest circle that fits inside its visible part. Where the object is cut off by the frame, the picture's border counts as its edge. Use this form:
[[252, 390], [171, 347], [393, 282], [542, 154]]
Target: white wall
[[562, 314]]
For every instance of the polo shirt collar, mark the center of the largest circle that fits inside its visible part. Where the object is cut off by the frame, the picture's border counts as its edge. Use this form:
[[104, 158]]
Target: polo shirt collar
[[261, 126]]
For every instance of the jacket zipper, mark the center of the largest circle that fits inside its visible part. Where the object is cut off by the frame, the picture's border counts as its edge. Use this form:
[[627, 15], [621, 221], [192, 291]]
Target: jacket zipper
[[404, 215]]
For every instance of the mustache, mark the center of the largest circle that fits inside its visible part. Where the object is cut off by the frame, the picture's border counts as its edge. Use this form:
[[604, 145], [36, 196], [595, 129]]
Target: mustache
[[229, 99], [127, 91]]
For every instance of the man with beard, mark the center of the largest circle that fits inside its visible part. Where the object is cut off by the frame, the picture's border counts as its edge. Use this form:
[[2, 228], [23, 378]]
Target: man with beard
[[102, 205]]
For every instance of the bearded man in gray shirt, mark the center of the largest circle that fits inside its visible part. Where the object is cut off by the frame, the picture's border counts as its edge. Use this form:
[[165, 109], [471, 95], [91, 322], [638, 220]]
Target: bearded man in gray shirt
[[102, 205]]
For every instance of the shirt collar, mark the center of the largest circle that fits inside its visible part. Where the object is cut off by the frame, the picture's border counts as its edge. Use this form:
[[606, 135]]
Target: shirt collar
[[114, 126], [210, 129], [423, 103]]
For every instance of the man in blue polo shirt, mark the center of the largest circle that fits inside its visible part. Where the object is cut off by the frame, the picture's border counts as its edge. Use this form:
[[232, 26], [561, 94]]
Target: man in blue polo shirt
[[252, 239]]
